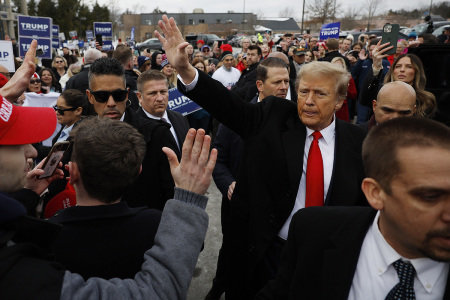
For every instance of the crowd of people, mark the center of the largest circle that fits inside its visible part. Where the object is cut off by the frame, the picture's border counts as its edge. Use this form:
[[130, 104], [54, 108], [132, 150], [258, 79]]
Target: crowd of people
[[334, 175]]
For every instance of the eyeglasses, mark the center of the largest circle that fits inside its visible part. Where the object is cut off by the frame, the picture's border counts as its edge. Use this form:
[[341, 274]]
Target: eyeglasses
[[61, 111], [33, 81], [59, 61], [205, 50], [103, 96]]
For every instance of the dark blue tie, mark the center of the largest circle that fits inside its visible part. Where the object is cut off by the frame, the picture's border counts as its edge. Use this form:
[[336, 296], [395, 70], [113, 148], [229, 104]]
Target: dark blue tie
[[404, 290]]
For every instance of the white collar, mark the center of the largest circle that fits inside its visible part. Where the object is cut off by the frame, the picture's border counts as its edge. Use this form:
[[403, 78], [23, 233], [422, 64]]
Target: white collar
[[428, 271], [155, 117], [327, 133]]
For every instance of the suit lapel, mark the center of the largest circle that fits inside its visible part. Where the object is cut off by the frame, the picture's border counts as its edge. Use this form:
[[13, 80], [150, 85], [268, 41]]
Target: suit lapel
[[176, 126], [344, 160], [342, 257], [294, 146]]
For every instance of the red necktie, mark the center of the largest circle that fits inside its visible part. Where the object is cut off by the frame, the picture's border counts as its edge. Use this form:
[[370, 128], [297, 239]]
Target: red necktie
[[314, 174]]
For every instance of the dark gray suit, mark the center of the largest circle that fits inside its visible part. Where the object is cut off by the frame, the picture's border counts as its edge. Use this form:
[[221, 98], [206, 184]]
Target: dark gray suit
[[179, 123]]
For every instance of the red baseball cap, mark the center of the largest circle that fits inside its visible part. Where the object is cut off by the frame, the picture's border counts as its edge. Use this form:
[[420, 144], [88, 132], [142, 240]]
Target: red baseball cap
[[25, 125], [226, 47], [201, 41]]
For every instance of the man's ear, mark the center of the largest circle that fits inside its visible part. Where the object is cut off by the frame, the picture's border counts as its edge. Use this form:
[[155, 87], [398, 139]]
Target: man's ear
[[139, 96], [374, 193], [259, 85], [338, 105], [374, 105], [74, 173], [90, 97], [140, 170]]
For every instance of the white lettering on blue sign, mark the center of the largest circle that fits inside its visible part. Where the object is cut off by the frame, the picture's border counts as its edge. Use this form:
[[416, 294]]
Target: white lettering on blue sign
[[28, 26], [100, 29], [178, 101], [45, 48]]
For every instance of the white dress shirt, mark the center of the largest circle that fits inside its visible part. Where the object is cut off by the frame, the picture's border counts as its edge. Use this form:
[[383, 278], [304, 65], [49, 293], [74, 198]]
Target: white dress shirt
[[375, 275], [326, 145], [166, 117], [66, 131]]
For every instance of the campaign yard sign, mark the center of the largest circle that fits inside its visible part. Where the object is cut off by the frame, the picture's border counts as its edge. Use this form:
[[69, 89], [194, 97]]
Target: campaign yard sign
[[38, 28], [89, 35], [55, 36], [330, 31], [105, 29], [180, 103], [7, 55]]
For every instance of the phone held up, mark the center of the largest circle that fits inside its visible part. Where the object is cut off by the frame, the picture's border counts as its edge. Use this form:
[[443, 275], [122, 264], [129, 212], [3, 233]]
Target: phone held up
[[53, 158], [390, 34]]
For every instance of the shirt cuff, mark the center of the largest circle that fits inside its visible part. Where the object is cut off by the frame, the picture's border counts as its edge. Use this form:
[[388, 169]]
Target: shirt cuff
[[190, 86], [376, 71]]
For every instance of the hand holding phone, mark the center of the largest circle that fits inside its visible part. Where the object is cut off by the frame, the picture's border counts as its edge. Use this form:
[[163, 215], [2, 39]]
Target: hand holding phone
[[390, 35], [53, 158]]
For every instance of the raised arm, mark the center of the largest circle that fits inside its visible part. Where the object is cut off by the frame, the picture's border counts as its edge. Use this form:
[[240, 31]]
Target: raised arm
[[169, 264], [175, 47]]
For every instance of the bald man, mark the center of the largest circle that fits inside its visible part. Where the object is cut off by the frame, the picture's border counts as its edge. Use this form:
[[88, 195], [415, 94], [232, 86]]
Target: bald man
[[394, 100], [5, 72]]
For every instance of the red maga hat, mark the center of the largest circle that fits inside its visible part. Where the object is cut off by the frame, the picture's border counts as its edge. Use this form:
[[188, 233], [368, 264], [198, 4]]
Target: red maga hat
[[25, 125]]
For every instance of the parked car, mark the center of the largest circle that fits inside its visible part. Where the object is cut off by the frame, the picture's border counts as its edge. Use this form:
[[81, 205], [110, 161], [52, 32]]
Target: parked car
[[152, 44], [440, 30], [209, 39], [422, 28]]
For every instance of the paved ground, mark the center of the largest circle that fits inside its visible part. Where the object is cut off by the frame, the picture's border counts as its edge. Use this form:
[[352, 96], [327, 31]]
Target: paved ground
[[206, 264]]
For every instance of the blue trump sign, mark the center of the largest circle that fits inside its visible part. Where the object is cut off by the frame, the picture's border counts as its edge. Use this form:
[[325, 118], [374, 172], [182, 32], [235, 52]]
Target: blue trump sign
[[103, 28], [330, 30], [180, 103], [39, 28], [35, 26], [55, 36], [44, 44], [89, 35]]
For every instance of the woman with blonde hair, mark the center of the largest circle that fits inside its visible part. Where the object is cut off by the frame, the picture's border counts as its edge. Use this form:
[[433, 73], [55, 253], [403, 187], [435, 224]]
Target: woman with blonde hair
[[59, 67]]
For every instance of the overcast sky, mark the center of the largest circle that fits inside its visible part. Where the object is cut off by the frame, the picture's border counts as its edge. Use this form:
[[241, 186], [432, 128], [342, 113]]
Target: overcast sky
[[268, 8]]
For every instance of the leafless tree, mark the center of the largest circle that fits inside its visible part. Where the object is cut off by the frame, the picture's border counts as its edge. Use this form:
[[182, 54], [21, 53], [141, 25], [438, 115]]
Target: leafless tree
[[287, 12], [348, 21], [372, 7], [321, 10]]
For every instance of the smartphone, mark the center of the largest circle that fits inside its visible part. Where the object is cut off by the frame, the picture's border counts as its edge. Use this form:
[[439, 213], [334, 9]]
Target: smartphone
[[219, 43], [39, 52], [99, 39], [53, 158], [390, 34]]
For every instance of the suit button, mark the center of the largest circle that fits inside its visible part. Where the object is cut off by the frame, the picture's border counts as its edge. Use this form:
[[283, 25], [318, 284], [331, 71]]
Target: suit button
[[251, 249], [271, 218]]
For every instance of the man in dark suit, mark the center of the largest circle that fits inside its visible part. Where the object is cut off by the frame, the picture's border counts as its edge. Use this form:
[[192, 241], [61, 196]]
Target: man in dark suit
[[153, 95], [358, 253], [272, 183], [108, 95], [272, 80], [333, 51]]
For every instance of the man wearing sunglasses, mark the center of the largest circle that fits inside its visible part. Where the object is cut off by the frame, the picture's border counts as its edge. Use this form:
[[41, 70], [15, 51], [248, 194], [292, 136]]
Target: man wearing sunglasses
[[109, 96], [206, 52]]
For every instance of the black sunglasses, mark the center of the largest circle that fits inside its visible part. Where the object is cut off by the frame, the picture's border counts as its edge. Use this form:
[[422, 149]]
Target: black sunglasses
[[61, 111], [33, 81], [59, 61], [103, 96], [205, 50]]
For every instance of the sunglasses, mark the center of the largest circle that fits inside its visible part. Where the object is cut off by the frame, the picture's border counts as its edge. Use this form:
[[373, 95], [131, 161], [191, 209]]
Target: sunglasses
[[61, 111], [33, 81], [58, 61], [103, 96], [205, 50]]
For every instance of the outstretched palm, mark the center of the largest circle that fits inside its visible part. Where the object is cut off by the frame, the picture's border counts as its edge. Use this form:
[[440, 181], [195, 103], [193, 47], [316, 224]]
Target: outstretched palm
[[173, 43]]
